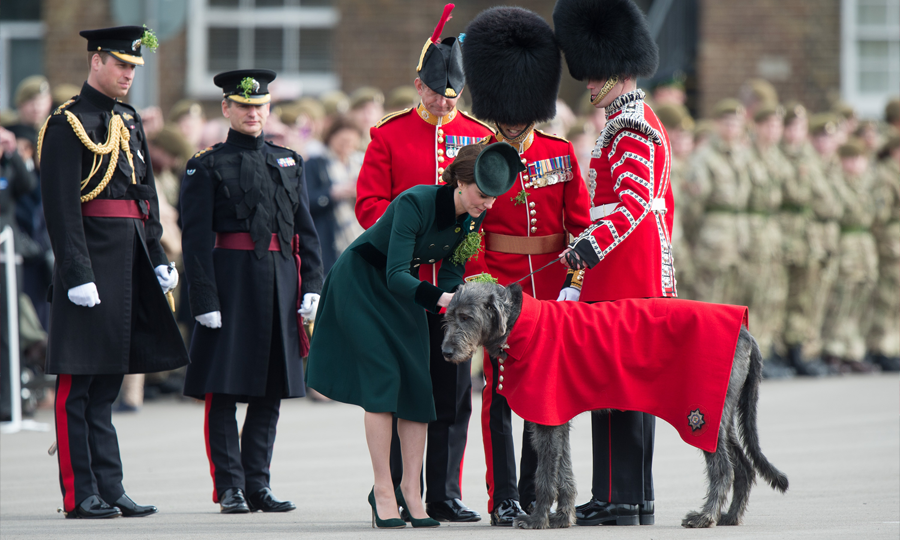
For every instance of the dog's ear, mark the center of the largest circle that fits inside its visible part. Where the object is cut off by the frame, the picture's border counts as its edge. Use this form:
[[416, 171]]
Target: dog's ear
[[497, 303]]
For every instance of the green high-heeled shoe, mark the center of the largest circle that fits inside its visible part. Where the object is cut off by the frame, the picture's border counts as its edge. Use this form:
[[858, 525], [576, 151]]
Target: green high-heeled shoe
[[416, 523], [393, 523]]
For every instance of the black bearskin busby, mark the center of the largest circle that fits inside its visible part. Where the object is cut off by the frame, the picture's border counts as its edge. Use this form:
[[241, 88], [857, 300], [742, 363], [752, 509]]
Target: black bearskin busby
[[440, 64], [603, 38], [512, 65]]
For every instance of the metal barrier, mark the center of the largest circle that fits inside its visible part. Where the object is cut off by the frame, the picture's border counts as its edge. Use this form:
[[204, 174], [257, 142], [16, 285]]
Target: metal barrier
[[16, 423]]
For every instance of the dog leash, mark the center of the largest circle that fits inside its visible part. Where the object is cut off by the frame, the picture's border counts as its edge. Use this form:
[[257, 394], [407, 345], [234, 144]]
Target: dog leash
[[556, 260]]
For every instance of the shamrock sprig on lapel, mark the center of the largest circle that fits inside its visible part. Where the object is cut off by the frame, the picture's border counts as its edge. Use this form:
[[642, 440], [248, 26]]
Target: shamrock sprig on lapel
[[520, 198], [468, 248]]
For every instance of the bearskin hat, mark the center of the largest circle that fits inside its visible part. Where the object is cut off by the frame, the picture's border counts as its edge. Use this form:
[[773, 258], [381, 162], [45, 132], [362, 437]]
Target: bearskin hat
[[603, 38], [512, 65]]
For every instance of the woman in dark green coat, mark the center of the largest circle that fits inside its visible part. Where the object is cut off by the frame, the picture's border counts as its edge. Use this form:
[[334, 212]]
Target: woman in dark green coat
[[370, 346]]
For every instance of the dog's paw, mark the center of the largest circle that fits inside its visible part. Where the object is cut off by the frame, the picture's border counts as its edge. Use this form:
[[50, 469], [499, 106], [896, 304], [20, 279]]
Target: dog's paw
[[728, 520], [697, 520], [530, 522], [562, 520]]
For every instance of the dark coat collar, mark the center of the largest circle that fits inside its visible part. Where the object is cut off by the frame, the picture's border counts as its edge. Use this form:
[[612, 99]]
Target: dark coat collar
[[445, 208], [245, 141], [97, 98]]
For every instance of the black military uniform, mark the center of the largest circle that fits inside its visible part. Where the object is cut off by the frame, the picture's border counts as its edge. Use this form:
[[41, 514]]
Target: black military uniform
[[105, 234], [245, 211]]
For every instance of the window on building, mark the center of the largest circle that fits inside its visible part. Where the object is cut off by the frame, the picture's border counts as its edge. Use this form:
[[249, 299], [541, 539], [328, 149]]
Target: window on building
[[21, 46], [870, 53], [291, 37]]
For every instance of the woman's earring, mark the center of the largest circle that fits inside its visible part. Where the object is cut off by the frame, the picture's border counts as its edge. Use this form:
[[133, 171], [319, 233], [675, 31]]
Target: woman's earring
[[460, 192]]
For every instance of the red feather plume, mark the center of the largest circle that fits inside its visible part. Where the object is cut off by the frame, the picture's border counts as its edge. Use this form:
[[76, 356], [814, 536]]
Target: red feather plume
[[440, 27]]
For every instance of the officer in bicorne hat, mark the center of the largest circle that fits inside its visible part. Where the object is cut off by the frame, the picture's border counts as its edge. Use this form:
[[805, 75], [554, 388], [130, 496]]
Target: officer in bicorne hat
[[409, 148], [607, 43], [513, 68], [109, 315], [251, 257]]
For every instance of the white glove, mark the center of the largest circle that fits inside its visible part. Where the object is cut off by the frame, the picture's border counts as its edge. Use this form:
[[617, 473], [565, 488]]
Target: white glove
[[85, 295], [213, 319], [167, 276], [570, 294], [309, 306]]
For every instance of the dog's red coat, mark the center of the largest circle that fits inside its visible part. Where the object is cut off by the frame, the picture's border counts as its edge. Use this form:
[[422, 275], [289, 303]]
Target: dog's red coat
[[670, 358]]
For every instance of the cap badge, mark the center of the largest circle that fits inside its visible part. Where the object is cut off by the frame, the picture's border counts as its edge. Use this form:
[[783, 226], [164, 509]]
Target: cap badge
[[135, 45]]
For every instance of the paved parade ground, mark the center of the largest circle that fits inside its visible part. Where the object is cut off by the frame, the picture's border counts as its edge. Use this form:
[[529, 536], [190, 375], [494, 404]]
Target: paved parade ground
[[837, 439]]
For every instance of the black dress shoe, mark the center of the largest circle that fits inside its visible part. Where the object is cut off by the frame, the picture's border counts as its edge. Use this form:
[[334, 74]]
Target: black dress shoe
[[130, 509], [265, 501], [233, 502], [646, 513], [598, 512], [506, 512], [93, 508], [452, 510]]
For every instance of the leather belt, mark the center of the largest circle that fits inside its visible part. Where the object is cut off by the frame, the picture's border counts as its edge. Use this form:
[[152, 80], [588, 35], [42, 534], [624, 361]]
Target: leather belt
[[113, 208], [525, 245], [242, 241]]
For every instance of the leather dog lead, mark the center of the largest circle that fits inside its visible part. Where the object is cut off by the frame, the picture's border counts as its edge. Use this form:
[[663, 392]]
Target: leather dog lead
[[556, 260]]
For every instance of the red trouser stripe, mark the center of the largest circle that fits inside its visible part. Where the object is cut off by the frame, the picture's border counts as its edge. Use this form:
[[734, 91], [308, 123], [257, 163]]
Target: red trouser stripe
[[212, 466], [62, 442], [486, 399]]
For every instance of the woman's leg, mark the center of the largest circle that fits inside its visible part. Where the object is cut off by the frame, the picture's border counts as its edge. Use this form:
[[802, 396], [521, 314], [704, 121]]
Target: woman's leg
[[378, 438], [412, 446]]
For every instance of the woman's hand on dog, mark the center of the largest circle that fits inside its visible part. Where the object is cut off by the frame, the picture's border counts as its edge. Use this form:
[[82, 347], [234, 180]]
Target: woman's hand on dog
[[444, 300]]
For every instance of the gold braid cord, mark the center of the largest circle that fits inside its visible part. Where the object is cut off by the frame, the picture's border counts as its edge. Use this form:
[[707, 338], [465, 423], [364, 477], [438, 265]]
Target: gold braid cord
[[116, 140], [610, 82]]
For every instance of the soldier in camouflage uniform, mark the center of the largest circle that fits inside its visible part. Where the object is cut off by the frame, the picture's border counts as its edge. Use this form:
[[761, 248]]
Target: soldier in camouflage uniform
[[719, 179], [883, 330], [764, 277], [829, 209], [680, 126], [802, 231], [858, 262]]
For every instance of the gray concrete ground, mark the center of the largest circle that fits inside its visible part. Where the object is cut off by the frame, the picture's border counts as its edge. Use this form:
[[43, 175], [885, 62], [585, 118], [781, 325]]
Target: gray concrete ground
[[837, 439]]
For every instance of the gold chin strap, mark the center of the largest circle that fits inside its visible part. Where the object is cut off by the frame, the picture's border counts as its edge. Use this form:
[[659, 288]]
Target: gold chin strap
[[610, 82], [117, 138]]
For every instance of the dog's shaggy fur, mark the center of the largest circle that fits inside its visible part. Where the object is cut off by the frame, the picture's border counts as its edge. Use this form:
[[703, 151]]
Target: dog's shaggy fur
[[483, 314]]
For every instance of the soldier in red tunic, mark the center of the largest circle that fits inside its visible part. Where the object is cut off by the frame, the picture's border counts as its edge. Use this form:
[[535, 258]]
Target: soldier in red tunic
[[628, 247], [513, 68], [409, 148]]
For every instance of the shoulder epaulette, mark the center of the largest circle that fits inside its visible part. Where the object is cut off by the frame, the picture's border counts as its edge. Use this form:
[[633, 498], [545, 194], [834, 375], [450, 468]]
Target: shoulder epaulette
[[388, 117], [61, 108], [552, 136], [485, 140], [633, 122], [207, 149], [126, 105], [472, 118], [288, 148]]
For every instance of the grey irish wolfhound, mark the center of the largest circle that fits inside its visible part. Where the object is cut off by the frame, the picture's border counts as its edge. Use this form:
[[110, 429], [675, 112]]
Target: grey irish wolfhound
[[483, 314]]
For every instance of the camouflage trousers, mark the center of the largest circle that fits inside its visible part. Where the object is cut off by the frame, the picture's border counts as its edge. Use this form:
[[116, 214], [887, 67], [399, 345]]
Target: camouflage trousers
[[843, 330], [764, 282], [812, 270], [883, 320], [716, 256]]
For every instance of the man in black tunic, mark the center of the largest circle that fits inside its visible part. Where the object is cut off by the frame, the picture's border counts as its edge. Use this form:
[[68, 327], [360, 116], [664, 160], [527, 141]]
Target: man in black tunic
[[246, 230], [109, 315]]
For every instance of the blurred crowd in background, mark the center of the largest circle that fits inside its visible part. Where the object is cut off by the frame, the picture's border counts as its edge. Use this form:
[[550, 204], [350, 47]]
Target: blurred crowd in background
[[795, 213]]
